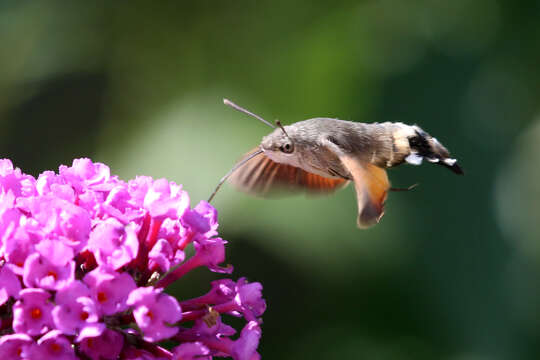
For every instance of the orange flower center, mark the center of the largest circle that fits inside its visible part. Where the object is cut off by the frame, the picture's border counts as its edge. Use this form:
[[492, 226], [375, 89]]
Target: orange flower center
[[84, 315], [101, 297], [53, 274], [55, 347], [35, 313]]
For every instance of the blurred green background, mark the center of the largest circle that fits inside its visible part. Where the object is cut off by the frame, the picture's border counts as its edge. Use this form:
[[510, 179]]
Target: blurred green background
[[451, 272]]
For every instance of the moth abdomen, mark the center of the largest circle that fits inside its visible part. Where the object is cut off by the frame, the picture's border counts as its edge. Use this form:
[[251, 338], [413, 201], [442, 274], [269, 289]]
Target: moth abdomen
[[395, 143], [390, 144]]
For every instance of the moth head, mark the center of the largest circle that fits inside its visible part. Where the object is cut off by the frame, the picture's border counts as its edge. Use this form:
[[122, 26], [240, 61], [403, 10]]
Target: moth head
[[279, 146], [277, 141]]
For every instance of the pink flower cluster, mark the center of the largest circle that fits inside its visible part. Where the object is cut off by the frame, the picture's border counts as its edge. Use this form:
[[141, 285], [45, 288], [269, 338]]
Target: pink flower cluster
[[84, 260]]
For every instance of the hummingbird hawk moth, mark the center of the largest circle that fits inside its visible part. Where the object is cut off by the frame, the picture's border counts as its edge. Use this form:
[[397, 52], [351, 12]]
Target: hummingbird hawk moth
[[322, 155]]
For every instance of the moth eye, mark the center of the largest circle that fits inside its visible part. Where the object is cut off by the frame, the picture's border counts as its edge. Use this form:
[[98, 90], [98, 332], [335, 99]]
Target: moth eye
[[287, 148]]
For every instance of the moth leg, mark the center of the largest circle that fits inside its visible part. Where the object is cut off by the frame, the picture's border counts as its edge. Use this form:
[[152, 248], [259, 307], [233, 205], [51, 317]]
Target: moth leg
[[404, 189]]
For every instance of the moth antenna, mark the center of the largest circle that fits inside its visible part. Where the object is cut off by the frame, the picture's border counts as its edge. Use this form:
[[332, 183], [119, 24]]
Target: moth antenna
[[278, 123], [235, 167], [241, 109]]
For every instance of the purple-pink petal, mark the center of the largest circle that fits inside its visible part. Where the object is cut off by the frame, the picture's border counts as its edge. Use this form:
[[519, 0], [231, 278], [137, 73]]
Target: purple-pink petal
[[13, 180], [202, 219], [113, 243], [154, 312], [191, 351], [52, 346], [75, 312], [83, 175], [32, 312], [56, 252], [221, 291], [10, 286], [245, 348], [161, 255], [165, 199], [109, 289], [132, 353], [40, 272], [107, 346], [211, 253], [249, 298], [59, 218], [14, 346], [90, 330]]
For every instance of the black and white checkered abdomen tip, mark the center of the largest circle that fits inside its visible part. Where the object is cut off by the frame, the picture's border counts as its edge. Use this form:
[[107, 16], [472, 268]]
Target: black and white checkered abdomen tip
[[452, 165]]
